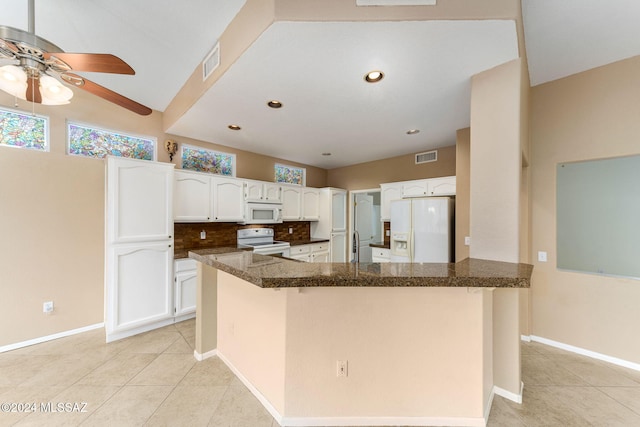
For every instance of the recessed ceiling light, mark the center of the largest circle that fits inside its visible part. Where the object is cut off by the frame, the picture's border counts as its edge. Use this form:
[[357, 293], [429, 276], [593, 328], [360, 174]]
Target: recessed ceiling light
[[326, 154], [274, 104], [413, 131], [234, 127], [374, 76]]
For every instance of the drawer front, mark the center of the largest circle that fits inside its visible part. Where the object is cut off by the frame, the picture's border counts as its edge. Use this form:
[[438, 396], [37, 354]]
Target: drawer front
[[297, 250], [380, 253], [320, 247], [185, 264]]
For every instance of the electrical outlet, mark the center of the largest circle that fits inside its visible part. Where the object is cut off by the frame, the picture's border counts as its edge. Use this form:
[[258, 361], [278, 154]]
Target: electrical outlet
[[542, 256], [290, 230], [467, 240], [342, 368], [203, 235], [47, 307], [387, 233]]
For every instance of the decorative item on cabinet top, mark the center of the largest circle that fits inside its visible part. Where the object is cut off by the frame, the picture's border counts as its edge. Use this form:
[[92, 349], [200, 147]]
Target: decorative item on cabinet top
[[172, 148]]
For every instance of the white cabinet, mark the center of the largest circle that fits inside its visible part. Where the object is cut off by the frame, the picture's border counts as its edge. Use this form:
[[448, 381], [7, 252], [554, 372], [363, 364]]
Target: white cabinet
[[291, 203], [389, 192], [185, 282], [380, 255], [442, 186], [191, 197], [445, 186], [338, 243], [300, 252], [139, 200], [320, 252], [139, 247], [228, 199], [338, 210], [310, 204], [265, 192], [417, 188]]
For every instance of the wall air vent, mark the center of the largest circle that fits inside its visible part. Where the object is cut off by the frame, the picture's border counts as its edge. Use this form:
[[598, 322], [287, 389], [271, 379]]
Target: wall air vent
[[427, 157], [395, 2], [211, 62]]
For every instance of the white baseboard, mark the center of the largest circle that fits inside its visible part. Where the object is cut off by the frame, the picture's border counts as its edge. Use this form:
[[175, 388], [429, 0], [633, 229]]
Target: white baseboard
[[50, 337], [115, 336], [525, 338], [200, 357], [588, 353], [184, 317], [509, 394], [487, 407]]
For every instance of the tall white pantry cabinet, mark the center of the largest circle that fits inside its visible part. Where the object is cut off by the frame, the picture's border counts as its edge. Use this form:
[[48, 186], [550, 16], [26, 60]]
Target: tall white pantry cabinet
[[139, 247]]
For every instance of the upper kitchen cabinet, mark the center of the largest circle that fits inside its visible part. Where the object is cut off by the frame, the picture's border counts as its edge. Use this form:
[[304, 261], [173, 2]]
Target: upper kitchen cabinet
[[192, 197], [442, 186], [389, 192], [310, 204], [228, 199], [264, 192], [139, 200], [417, 188], [291, 203]]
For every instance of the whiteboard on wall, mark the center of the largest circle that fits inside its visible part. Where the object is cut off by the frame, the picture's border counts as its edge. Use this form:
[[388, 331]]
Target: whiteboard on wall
[[598, 216]]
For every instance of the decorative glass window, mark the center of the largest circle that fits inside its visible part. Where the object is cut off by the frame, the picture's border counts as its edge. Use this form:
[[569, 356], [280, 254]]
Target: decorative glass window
[[23, 130], [203, 160], [290, 174], [92, 142]]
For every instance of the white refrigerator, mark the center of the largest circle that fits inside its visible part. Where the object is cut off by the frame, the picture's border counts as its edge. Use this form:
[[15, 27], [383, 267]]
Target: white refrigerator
[[422, 230]]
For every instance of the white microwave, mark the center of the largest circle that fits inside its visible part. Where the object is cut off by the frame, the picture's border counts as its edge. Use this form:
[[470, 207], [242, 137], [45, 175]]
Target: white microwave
[[262, 213]]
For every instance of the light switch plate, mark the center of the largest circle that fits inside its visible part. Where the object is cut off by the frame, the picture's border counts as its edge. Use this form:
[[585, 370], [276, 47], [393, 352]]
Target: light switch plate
[[467, 240]]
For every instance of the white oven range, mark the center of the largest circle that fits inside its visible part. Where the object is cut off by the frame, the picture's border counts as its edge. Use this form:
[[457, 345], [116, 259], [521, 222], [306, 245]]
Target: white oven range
[[261, 240]]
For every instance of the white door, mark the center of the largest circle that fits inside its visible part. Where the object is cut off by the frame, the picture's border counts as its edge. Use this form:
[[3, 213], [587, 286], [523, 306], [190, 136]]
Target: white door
[[228, 200], [139, 200], [139, 286], [191, 197], [338, 251], [363, 218], [339, 210]]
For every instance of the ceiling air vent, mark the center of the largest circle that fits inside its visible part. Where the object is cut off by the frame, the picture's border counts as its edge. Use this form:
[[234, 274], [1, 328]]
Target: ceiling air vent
[[211, 62], [426, 157]]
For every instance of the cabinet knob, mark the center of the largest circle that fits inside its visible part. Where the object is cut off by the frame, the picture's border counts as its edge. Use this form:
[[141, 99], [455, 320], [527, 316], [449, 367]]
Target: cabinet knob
[[169, 236], [169, 245]]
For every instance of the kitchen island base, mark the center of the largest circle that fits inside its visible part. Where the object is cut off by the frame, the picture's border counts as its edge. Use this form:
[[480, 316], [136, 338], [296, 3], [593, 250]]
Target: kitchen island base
[[413, 355]]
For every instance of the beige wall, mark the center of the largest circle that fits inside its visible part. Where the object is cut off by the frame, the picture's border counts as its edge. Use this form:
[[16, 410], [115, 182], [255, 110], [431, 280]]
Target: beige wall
[[463, 188], [402, 168], [52, 218], [590, 115]]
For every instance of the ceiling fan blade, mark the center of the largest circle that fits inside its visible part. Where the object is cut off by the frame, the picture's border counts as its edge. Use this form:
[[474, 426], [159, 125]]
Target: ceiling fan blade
[[96, 62], [33, 90], [101, 91], [7, 49]]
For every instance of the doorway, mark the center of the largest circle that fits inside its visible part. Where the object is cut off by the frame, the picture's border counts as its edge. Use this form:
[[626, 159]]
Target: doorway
[[365, 220]]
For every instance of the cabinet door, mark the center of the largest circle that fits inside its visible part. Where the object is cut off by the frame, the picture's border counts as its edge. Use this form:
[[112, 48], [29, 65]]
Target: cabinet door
[[310, 204], [302, 257], [139, 285], [291, 203], [338, 249], [339, 210], [272, 193], [253, 191], [442, 186], [186, 285], [380, 255], [139, 200], [228, 200], [418, 188], [320, 257], [388, 192], [191, 197]]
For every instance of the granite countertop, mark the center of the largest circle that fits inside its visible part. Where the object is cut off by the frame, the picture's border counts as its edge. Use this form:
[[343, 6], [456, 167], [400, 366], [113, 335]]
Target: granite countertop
[[380, 245], [307, 241], [273, 272]]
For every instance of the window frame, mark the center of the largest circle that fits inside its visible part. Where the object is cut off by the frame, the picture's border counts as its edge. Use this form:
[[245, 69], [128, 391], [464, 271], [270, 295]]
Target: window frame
[[234, 161], [47, 139], [111, 131]]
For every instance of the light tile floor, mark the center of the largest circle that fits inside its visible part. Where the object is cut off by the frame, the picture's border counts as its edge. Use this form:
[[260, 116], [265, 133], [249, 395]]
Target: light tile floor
[[153, 380]]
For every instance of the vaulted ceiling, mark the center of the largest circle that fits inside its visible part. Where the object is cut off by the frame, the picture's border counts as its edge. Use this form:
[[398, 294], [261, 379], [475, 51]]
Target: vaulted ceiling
[[313, 56]]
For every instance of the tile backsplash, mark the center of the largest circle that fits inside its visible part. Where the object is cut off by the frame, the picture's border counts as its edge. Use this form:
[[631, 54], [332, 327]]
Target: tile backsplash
[[187, 235]]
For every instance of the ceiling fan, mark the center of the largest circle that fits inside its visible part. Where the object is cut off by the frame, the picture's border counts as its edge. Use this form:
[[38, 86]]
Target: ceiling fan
[[37, 62]]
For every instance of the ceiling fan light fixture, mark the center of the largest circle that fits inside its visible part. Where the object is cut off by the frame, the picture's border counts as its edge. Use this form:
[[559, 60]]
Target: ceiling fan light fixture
[[374, 76], [13, 80], [53, 92]]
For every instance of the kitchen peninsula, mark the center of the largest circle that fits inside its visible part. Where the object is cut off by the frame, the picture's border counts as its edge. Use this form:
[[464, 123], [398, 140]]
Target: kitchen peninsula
[[356, 344]]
